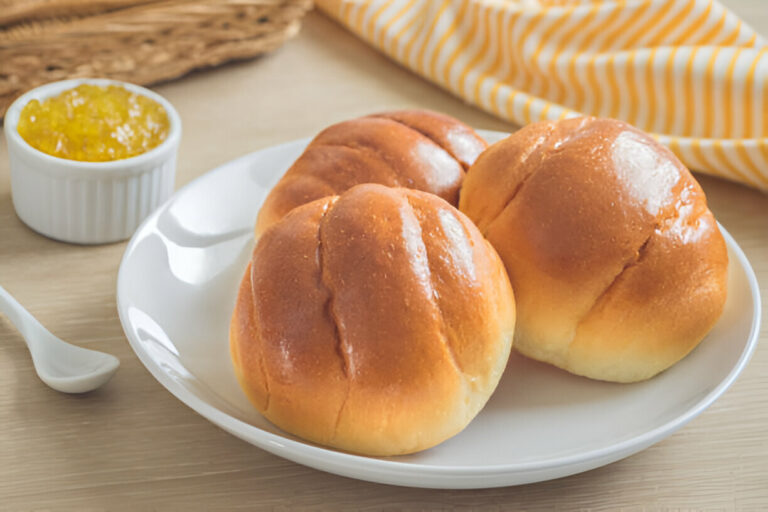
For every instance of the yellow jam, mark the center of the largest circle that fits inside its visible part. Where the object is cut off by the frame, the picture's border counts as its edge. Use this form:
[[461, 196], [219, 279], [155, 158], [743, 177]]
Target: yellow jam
[[93, 123]]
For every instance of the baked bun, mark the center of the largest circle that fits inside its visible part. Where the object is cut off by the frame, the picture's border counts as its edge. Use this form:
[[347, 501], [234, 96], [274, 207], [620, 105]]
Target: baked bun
[[411, 148], [618, 266], [377, 322]]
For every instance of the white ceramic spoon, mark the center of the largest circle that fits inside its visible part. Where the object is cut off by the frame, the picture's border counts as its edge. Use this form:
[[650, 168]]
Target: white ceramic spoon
[[64, 367]]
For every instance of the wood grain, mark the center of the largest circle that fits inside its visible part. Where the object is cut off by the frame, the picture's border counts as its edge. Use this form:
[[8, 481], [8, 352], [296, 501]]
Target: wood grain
[[133, 446]]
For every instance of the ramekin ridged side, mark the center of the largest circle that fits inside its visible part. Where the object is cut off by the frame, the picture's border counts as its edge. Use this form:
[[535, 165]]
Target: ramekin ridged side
[[88, 202]]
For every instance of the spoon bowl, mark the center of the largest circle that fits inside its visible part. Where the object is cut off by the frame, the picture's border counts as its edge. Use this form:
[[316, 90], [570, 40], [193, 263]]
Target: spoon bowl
[[61, 365]]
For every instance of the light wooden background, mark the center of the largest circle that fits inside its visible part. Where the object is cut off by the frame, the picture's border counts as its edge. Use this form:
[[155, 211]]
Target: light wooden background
[[133, 446]]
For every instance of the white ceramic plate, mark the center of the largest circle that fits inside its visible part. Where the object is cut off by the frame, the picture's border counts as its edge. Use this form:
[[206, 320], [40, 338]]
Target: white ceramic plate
[[176, 290]]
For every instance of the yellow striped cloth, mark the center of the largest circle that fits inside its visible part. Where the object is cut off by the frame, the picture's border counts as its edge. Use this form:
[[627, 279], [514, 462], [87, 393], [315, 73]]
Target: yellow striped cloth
[[689, 71]]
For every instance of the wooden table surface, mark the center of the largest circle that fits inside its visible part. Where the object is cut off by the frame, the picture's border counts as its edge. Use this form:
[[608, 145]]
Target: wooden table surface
[[132, 446]]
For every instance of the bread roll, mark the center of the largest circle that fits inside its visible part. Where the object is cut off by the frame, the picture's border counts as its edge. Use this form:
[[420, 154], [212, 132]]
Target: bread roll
[[411, 148], [377, 322], [618, 266]]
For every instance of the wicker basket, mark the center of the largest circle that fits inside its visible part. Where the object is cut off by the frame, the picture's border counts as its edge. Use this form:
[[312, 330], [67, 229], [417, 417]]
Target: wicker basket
[[139, 41]]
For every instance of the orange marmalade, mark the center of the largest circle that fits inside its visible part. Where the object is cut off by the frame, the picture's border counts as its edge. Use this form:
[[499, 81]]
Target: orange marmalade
[[93, 123]]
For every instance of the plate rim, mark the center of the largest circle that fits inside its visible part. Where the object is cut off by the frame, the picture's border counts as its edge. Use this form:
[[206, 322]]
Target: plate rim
[[321, 458]]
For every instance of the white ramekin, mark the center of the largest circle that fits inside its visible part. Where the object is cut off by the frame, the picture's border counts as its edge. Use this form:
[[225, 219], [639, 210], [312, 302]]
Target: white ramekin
[[88, 202]]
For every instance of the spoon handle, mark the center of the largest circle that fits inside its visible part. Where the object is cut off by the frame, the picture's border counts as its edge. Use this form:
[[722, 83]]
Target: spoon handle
[[19, 317]]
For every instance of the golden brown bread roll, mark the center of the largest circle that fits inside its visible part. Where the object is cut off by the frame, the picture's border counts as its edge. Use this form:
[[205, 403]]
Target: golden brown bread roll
[[377, 322], [416, 149], [618, 266]]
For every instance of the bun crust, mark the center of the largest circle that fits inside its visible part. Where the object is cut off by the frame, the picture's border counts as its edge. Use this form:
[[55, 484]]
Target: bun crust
[[377, 322], [618, 266], [416, 149]]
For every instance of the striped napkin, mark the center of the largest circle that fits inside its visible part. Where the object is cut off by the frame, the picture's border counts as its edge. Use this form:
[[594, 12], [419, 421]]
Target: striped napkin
[[688, 71]]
